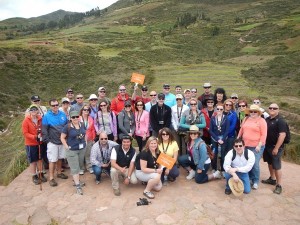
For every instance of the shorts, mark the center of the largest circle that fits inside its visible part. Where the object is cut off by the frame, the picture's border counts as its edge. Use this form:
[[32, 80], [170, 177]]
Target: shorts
[[55, 152], [32, 153], [274, 160]]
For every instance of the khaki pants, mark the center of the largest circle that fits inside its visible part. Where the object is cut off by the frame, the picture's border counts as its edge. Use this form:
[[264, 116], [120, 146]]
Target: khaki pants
[[116, 174]]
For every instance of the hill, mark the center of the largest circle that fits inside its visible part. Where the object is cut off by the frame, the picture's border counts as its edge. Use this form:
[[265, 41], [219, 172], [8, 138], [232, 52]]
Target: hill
[[249, 47]]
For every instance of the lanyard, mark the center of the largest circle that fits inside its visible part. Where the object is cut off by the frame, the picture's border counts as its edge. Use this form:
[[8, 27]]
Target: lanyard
[[139, 118], [179, 114], [219, 123], [103, 124], [85, 122], [104, 159], [165, 151]]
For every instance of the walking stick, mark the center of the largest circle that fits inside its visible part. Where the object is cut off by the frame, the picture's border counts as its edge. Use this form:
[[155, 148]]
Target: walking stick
[[40, 167]]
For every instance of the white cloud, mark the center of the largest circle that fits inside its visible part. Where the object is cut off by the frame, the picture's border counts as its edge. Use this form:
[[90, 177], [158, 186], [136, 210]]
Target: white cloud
[[34, 8]]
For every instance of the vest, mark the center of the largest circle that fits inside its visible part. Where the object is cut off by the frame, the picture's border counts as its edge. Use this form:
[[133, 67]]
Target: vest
[[122, 159]]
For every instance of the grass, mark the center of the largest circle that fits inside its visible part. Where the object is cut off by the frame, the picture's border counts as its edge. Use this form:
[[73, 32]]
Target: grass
[[247, 27]]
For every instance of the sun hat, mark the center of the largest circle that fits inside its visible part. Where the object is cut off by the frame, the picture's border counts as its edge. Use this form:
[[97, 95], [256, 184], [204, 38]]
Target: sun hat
[[74, 113], [93, 96], [33, 106], [179, 96], [237, 188], [234, 95], [207, 85], [65, 100], [253, 108], [194, 128]]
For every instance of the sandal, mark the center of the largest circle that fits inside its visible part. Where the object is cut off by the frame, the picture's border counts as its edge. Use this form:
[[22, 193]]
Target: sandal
[[149, 194]]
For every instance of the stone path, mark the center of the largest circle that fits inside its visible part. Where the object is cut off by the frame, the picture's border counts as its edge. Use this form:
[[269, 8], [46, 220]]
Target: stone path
[[181, 202]]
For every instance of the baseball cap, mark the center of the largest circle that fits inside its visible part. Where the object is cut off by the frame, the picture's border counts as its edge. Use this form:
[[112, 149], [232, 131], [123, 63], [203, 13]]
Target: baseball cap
[[207, 85], [186, 90], [144, 88], [234, 95], [179, 96], [69, 90], [93, 96], [35, 98], [101, 89], [161, 96], [33, 106], [65, 100], [166, 85]]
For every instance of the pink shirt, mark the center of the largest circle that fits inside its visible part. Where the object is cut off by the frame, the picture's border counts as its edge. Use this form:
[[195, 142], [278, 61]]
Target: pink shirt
[[142, 123], [253, 131]]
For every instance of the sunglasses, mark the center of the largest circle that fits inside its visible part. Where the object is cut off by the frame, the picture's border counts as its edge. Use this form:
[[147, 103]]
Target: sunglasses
[[253, 111], [56, 105], [103, 139], [139, 105], [238, 146], [75, 117], [194, 91], [79, 98], [94, 100], [161, 99], [228, 104], [66, 103], [33, 110], [210, 102], [102, 91], [194, 104], [234, 97], [273, 108], [152, 95], [70, 92], [195, 133], [220, 109], [122, 90], [255, 102], [207, 87], [178, 99], [127, 106], [85, 110], [144, 90], [164, 134], [242, 105], [36, 100], [167, 88], [103, 105]]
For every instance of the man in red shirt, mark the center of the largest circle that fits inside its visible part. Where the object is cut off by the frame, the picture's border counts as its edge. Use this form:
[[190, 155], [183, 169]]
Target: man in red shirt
[[117, 104]]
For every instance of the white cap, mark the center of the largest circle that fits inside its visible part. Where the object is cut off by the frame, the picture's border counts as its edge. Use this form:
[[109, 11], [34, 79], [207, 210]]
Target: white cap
[[179, 96], [93, 96]]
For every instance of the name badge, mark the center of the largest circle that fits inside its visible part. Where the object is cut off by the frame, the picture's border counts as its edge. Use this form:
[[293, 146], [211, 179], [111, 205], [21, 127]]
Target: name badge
[[80, 146]]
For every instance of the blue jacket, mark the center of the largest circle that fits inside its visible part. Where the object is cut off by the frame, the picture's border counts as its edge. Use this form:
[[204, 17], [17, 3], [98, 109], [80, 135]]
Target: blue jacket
[[200, 153], [215, 132], [232, 117], [52, 125]]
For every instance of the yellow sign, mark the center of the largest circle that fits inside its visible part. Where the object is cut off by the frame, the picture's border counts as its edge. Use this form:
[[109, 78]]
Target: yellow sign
[[138, 78], [166, 160]]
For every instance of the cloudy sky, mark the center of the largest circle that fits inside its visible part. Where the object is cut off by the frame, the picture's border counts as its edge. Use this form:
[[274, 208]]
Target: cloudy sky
[[33, 8]]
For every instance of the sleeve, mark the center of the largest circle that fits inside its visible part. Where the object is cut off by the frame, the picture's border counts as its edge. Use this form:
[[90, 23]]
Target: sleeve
[[227, 161], [45, 127], [65, 129], [26, 133], [174, 119], [168, 117], [113, 155], [233, 122], [96, 124], [147, 121], [202, 156], [133, 158], [227, 125], [211, 130], [93, 157], [114, 124], [203, 122], [183, 120], [282, 126], [121, 118], [113, 105]]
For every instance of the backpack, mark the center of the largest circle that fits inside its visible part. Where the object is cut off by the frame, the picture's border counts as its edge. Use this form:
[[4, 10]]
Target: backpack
[[287, 138], [210, 152], [245, 154]]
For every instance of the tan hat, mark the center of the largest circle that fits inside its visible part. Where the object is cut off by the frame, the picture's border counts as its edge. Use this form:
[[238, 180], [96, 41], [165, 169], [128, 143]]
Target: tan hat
[[207, 85], [194, 128], [179, 96], [186, 90], [237, 188], [93, 96], [253, 108], [65, 100]]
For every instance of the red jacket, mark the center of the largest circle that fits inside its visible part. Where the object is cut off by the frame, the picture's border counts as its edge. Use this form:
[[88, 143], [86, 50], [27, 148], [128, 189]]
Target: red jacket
[[117, 104], [30, 130]]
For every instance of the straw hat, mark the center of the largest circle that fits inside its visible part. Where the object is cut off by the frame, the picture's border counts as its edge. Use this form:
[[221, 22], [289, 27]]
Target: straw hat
[[237, 188], [194, 129], [253, 108]]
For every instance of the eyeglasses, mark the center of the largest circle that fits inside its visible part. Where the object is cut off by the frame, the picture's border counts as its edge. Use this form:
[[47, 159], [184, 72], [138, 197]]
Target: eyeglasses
[[238, 146], [85, 109], [103, 105], [178, 99], [122, 90], [273, 108], [242, 105], [253, 111], [164, 134], [139, 105], [220, 109], [33, 110], [79, 98], [152, 95], [256, 102], [103, 139], [193, 104], [228, 104], [94, 99], [55, 105], [234, 97], [194, 133], [75, 117], [209, 102]]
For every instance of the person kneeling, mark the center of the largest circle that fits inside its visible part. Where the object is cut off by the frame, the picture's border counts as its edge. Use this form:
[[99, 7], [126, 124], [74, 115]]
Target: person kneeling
[[147, 169], [238, 162]]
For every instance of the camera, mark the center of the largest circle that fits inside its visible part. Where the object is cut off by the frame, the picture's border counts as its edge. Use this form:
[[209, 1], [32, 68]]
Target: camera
[[80, 136], [143, 201]]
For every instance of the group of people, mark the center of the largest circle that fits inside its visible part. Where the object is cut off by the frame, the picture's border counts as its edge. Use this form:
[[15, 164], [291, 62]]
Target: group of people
[[96, 136]]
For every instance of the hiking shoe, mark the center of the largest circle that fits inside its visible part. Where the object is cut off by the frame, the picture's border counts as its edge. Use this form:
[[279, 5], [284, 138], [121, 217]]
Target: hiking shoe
[[269, 181], [91, 171], [81, 172], [191, 175], [165, 183], [228, 191], [62, 176], [171, 179], [52, 183], [43, 178], [278, 189], [255, 186], [79, 190], [117, 192], [36, 180], [217, 174], [98, 181]]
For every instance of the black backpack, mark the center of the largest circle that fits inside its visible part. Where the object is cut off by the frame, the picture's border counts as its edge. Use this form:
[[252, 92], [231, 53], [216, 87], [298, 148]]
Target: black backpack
[[245, 154]]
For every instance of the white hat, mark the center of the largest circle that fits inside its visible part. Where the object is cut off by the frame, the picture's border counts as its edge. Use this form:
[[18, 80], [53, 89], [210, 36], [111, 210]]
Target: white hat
[[179, 96], [207, 85], [93, 96], [101, 89], [65, 100]]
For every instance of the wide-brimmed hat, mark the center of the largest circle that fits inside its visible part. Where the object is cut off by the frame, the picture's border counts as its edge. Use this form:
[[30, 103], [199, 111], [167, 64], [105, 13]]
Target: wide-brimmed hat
[[237, 188], [93, 96], [207, 85], [253, 108], [194, 129], [179, 96]]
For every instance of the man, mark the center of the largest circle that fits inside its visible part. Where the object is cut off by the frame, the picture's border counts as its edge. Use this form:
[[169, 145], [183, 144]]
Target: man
[[277, 131], [187, 96], [177, 112], [79, 103], [264, 113], [235, 99], [170, 99], [153, 101], [52, 124], [100, 156], [117, 104], [144, 97], [70, 96], [93, 105], [178, 89], [207, 93], [36, 100], [160, 115], [238, 162], [102, 94], [122, 163]]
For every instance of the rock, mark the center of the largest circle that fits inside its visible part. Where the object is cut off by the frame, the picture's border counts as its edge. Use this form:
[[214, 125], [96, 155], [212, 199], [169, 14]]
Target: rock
[[78, 218], [40, 216], [22, 218], [164, 219]]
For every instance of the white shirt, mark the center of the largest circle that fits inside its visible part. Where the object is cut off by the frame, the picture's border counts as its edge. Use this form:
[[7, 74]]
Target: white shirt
[[240, 162], [175, 112], [114, 155]]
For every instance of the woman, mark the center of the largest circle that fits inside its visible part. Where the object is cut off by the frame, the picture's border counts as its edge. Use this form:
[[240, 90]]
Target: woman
[[254, 133], [31, 128], [126, 121], [220, 96], [168, 145], [147, 169], [106, 121], [218, 129], [241, 114], [192, 117], [208, 112], [232, 117], [141, 124], [73, 137], [88, 124], [197, 162]]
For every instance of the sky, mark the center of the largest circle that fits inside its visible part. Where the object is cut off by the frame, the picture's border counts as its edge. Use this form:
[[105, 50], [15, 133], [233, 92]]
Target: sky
[[34, 8]]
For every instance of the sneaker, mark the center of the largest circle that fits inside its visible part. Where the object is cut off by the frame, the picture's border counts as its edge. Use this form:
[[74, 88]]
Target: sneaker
[[62, 176], [278, 189], [228, 191], [81, 172], [36, 180], [79, 190], [43, 178], [82, 184], [269, 181], [52, 183], [165, 183], [217, 174], [98, 182], [255, 186], [191, 175], [91, 171], [117, 192]]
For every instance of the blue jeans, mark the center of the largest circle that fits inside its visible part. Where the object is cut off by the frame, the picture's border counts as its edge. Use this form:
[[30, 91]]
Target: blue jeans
[[173, 173], [244, 178], [254, 173], [98, 170], [201, 178], [214, 163], [184, 161]]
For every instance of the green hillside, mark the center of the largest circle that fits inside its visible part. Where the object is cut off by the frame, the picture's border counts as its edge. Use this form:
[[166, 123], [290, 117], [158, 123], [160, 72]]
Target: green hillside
[[249, 47]]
